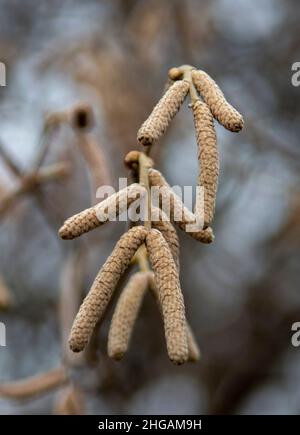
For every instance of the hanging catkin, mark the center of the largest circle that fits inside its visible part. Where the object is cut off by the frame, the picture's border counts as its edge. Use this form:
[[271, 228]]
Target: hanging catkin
[[96, 162], [169, 233], [227, 115], [178, 208], [97, 215], [170, 296], [193, 349], [125, 314], [163, 113], [208, 157], [103, 287]]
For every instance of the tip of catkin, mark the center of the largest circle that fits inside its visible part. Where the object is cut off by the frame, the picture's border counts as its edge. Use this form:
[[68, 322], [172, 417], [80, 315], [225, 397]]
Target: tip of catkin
[[175, 73], [75, 346], [82, 117], [63, 233]]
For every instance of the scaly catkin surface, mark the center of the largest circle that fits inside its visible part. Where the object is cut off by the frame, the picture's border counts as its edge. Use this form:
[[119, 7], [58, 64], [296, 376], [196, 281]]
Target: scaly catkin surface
[[227, 115], [187, 217], [193, 349], [87, 220], [125, 315], [170, 296], [96, 301], [163, 113], [169, 233], [208, 157]]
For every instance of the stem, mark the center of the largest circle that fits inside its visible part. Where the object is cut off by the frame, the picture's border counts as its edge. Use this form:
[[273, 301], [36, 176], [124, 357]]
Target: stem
[[145, 164], [187, 75]]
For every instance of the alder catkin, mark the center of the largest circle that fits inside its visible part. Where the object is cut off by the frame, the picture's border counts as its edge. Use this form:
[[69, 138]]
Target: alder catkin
[[169, 233], [125, 314], [193, 349], [95, 303], [208, 157], [184, 218], [96, 161], [227, 115], [163, 113], [106, 210], [170, 296]]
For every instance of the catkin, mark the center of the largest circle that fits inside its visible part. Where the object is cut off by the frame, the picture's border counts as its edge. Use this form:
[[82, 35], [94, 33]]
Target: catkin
[[103, 287], [208, 157], [227, 115], [169, 233], [107, 209], [163, 113], [193, 349], [125, 315], [187, 217], [170, 296], [34, 385], [96, 162]]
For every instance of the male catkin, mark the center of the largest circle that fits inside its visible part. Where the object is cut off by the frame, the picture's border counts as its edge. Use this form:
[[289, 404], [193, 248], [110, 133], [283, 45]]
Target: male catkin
[[125, 314], [170, 296], [227, 115], [193, 349], [97, 215], [96, 301], [181, 215], [163, 113], [208, 157]]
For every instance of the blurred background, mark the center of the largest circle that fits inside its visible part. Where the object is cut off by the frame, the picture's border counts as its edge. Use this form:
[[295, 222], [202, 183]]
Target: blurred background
[[241, 292]]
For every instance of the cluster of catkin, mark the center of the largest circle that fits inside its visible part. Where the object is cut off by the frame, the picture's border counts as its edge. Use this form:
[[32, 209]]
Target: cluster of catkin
[[198, 83], [154, 244], [162, 248]]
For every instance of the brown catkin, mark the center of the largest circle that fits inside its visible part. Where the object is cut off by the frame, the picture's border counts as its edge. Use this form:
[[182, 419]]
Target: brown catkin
[[107, 209], [163, 113], [125, 315], [169, 233], [34, 385], [96, 161], [186, 216], [227, 115], [193, 349], [95, 303], [170, 296], [208, 157]]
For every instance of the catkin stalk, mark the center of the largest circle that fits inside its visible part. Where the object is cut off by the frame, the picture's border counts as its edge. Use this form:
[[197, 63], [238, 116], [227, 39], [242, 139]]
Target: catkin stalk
[[125, 315], [107, 209], [170, 296], [184, 217], [95, 303], [208, 157], [162, 114], [227, 115]]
